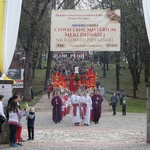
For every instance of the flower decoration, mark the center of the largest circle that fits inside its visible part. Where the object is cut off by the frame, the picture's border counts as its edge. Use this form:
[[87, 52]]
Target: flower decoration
[[77, 77], [113, 16]]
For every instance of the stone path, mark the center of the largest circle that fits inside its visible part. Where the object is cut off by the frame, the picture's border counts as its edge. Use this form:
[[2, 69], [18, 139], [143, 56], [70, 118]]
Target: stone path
[[112, 133]]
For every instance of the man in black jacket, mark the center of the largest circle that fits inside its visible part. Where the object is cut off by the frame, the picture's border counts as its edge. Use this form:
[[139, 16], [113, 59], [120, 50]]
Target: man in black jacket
[[114, 101]]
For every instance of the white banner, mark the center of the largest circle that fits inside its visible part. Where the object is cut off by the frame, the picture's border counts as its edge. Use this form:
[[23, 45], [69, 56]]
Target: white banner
[[11, 26], [146, 8], [85, 30]]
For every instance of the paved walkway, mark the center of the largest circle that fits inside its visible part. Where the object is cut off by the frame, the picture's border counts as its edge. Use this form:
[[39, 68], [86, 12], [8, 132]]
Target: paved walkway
[[112, 133]]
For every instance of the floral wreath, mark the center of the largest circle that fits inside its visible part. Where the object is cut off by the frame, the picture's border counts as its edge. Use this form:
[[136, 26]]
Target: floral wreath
[[113, 16]]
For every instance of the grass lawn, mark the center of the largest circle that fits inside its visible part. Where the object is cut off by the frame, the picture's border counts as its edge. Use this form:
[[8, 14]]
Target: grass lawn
[[133, 105]]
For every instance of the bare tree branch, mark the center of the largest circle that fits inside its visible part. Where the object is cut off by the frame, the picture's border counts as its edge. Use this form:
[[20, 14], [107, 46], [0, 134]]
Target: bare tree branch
[[43, 11], [61, 4], [26, 11], [75, 4], [21, 41]]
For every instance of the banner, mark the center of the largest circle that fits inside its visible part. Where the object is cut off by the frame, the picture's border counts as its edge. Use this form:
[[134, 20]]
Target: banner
[[2, 8], [11, 26], [12, 12], [85, 30], [146, 8]]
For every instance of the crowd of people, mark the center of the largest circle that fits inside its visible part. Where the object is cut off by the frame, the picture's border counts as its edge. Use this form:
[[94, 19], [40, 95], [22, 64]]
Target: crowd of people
[[67, 66], [83, 105], [14, 118]]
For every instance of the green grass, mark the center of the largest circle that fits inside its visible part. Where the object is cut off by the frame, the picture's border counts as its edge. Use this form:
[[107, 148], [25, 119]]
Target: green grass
[[109, 82], [133, 105], [39, 79]]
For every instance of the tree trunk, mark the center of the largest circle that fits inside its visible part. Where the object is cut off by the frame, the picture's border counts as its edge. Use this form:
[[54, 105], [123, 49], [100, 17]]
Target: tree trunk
[[33, 70], [28, 70], [117, 71], [146, 71], [104, 65], [69, 4], [107, 62], [35, 55], [50, 53], [48, 69], [28, 76], [40, 61], [134, 84]]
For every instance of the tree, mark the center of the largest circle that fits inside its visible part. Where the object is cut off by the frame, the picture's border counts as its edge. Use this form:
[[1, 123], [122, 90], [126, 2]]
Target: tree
[[133, 29], [35, 38], [32, 15], [133, 36]]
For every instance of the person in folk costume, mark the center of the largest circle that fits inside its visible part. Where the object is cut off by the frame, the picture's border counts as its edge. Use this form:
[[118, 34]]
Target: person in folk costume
[[66, 109], [68, 104], [57, 108], [81, 108], [63, 98], [86, 104], [97, 100], [90, 93], [76, 101]]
